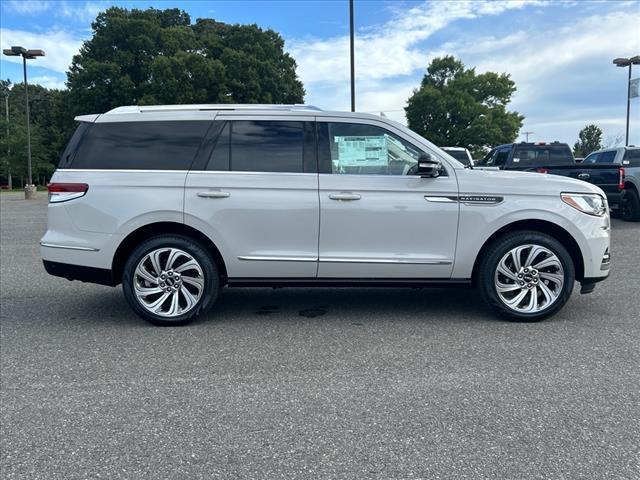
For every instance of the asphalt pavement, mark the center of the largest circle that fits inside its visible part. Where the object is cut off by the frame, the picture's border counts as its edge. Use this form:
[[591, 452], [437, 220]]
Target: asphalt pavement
[[313, 383]]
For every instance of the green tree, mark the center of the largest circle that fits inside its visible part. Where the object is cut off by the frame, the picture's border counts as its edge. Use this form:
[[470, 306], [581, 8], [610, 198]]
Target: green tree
[[45, 135], [455, 106], [589, 140], [158, 56]]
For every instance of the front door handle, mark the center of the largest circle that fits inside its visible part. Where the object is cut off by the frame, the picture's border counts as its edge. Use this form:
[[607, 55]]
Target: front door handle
[[214, 194], [345, 196]]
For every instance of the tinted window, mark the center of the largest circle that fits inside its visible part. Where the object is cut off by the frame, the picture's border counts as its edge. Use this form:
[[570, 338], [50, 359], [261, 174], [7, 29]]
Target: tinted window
[[140, 145], [501, 157], [219, 159], [355, 148], [633, 157], [69, 152], [535, 155], [267, 146], [460, 155], [607, 157], [488, 158], [591, 158]]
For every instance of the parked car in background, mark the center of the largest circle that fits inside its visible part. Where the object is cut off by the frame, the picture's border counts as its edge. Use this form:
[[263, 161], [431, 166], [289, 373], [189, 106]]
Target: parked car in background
[[557, 159], [627, 158], [175, 202], [463, 155]]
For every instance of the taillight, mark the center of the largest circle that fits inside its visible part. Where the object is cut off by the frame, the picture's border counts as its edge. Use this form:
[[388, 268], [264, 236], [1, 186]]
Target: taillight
[[542, 170], [621, 178], [61, 192]]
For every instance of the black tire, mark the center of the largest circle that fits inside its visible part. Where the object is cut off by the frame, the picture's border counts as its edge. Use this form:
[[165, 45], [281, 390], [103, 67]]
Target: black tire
[[210, 274], [631, 205], [486, 274]]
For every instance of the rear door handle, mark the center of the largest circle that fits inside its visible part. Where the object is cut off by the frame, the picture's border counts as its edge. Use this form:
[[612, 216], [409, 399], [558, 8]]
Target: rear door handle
[[345, 196], [214, 194]]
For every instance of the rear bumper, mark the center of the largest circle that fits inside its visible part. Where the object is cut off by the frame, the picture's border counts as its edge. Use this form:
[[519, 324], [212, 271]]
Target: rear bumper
[[100, 276]]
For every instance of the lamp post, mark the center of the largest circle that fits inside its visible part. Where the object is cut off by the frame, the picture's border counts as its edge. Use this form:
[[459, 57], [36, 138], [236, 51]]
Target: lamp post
[[29, 189], [6, 112], [627, 62], [352, 48]]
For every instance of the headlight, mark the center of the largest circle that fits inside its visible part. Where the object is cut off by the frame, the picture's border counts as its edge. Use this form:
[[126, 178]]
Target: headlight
[[589, 203]]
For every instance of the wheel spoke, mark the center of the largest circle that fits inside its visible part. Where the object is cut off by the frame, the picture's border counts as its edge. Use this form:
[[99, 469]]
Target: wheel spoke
[[195, 281], [554, 277], [189, 265], [551, 261], [533, 301], [502, 268], [515, 301], [146, 291], [155, 261], [188, 296], [548, 294], [507, 287], [173, 255], [533, 253], [157, 304], [142, 272], [174, 307]]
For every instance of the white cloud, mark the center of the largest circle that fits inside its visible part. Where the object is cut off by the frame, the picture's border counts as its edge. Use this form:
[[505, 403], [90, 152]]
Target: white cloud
[[47, 81], [59, 47], [390, 49], [82, 11], [27, 7]]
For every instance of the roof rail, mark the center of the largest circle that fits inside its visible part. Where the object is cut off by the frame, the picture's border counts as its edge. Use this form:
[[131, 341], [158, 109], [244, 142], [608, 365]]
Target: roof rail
[[223, 106]]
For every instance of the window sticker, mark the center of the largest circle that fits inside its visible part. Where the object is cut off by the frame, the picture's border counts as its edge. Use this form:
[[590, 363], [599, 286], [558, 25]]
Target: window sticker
[[358, 151]]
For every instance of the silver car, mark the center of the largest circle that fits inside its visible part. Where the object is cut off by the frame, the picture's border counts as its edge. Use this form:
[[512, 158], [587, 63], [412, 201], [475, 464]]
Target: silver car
[[176, 202]]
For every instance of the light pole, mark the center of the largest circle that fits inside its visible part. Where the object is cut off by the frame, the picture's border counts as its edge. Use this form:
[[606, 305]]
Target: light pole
[[6, 112], [29, 189], [627, 62], [353, 69]]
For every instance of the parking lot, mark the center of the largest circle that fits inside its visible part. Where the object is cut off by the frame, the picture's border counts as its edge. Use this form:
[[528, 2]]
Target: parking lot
[[313, 383]]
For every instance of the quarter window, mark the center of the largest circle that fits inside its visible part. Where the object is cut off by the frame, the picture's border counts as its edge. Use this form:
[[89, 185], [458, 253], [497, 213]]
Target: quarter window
[[166, 145], [355, 148], [632, 158]]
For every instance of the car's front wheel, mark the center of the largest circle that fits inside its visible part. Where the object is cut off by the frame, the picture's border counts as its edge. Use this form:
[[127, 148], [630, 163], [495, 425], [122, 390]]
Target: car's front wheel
[[526, 276], [170, 280]]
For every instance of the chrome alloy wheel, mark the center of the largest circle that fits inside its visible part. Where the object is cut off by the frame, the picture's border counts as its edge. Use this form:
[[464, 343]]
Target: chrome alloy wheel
[[168, 282], [529, 278]]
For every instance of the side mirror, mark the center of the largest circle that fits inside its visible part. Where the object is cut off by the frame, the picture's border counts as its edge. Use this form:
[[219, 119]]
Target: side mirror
[[428, 167]]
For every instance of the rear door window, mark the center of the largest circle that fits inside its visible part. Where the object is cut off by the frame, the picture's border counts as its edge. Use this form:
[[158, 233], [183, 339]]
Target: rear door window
[[632, 158], [164, 145], [267, 146]]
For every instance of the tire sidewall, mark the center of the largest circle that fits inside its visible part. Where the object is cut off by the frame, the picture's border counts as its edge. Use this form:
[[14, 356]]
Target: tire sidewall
[[630, 205], [211, 278], [493, 256]]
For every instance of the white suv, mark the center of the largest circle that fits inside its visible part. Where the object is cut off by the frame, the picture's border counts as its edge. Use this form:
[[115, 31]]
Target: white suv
[[175, 202]]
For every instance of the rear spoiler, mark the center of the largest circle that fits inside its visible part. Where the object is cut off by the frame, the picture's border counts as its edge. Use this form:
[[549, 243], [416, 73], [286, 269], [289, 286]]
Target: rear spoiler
[[87, 118]]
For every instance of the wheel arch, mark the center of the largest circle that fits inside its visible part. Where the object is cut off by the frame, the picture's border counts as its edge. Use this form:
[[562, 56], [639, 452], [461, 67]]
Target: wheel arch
[[542, 226], [150, 230]]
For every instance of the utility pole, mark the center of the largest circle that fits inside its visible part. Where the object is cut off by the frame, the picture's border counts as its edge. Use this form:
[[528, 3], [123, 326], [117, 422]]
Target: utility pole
[[527, 135], [353, 69]]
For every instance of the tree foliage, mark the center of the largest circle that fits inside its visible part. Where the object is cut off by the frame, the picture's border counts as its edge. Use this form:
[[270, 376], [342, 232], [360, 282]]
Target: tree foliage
[[589, 140], [138, 57], [158, 57], [455, 106]]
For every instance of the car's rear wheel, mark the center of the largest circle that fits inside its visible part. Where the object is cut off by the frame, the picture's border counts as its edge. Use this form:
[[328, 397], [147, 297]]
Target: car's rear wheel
[[631, 205], [526, 276], [170, 280]]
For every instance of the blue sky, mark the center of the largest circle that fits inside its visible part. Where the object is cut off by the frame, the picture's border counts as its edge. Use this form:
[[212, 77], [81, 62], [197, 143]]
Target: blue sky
[[558, 53]]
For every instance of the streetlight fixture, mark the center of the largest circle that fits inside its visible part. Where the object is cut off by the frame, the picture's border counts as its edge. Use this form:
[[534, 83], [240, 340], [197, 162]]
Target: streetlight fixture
[[30, 189], [627, 62]]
